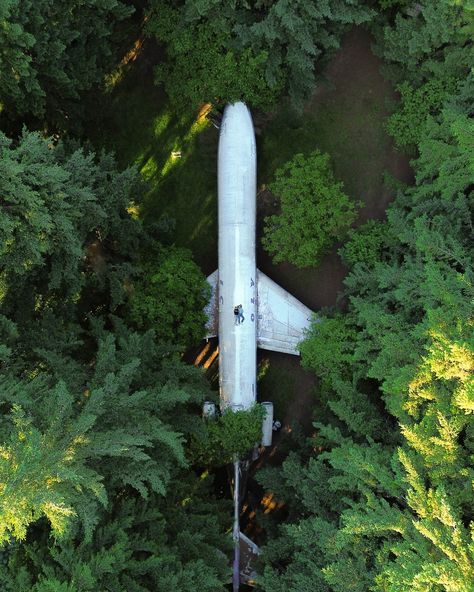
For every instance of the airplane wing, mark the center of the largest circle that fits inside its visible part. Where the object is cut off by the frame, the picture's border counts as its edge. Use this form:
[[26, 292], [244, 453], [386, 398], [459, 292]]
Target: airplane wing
[[212, 308], [281, 318]]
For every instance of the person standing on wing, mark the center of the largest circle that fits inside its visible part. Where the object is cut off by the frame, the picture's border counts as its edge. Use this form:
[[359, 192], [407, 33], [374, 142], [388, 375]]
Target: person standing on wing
[[241, 314]]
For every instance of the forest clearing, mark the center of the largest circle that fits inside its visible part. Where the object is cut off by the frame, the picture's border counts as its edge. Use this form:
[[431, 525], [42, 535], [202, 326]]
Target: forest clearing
[[111, 475]]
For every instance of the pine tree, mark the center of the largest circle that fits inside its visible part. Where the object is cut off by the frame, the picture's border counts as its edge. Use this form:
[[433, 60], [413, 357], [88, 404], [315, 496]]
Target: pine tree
[[382, 500], [251, 51], [52, 56], [58, 206]]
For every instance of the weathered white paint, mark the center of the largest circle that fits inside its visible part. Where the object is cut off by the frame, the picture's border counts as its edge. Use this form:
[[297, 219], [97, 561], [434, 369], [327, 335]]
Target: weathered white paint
[[267, 426], [209, 410], [282, 319], [237, 271], [274, 319]]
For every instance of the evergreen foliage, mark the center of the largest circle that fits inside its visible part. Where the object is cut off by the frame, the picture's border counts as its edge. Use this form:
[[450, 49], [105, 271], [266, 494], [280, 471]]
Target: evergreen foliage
[[299, 35], [60, 208], [427, 53], [376, 507], [51, 55], [96, 489], [406, 125], [202, 67], [62, 259], [314, 211], [58, 445], [100, 433], [139, 545], [170, 295], [223, 51]]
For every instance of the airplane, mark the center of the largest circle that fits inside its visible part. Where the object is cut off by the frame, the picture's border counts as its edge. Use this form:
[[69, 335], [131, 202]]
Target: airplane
[[272, 318], [247, 309]]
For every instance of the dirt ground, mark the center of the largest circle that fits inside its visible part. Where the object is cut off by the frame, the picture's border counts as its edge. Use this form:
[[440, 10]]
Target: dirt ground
[[352, 81]]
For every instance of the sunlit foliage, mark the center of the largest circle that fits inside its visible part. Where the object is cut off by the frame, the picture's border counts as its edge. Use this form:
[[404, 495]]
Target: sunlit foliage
[[315, 212], [383, 498]]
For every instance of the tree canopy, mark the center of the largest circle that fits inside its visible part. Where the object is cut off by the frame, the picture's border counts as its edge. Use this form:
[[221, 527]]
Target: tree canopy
[[222, 51], [234, 433], [314, 211], [202, 67], [169, 296], [51, 55], [96, 416], [109, 477], [382, 500], [427, 54], [61, 206]]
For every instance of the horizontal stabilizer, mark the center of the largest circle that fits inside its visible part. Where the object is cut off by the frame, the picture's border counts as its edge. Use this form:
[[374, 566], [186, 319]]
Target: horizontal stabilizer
[[249, 552]]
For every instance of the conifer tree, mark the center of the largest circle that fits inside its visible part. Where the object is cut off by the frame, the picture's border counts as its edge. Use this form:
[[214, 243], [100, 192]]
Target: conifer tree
[[383, 498], [266, 47], [52, 55], [95, 484], [62, 208], [427, 54]]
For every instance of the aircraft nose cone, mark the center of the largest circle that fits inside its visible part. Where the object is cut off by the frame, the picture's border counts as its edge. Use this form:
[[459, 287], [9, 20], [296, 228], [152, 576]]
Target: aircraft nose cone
[[237, 121]]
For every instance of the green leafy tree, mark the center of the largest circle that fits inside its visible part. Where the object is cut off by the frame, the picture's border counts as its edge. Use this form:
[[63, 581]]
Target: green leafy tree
[[365, 244], [233, 433], [406, 125], [315, 212], [169, 295]]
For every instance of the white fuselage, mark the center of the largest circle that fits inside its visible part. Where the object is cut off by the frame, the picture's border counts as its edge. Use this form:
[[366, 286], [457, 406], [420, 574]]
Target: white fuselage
[[237, 267]]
